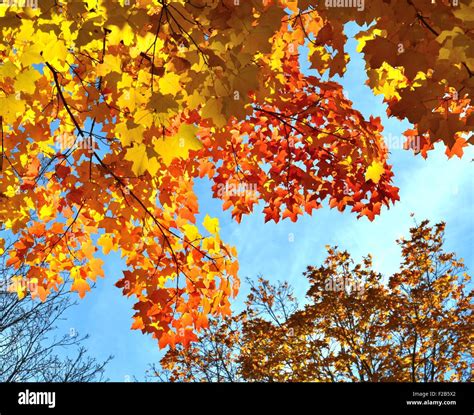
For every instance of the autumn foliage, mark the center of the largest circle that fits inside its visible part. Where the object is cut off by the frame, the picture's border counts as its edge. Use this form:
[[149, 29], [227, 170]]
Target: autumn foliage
[[111, 111], [355, 326]]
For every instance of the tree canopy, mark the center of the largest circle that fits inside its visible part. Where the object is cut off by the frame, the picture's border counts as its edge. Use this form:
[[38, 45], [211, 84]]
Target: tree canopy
[[356, 326], [111, 111]]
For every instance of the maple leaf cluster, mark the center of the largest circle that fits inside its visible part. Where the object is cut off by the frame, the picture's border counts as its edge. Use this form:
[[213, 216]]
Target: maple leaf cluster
[[111, 111]]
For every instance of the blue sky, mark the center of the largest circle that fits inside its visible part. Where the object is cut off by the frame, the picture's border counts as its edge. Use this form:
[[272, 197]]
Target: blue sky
[[435, 189]]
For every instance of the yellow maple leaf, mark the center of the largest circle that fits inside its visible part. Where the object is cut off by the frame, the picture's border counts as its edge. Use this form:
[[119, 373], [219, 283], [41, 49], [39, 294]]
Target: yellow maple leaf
[[169, 84], [137, 155], [54, 50], [106, 242], [11, 107], [111, 64], [8, 69], [45, 212], [374, 171], [31, 54], [191, 232], [128, 132], [123, 34], [179, 144], [211, 225], [25, 81]]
